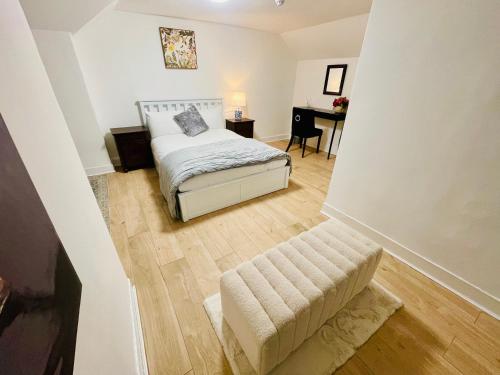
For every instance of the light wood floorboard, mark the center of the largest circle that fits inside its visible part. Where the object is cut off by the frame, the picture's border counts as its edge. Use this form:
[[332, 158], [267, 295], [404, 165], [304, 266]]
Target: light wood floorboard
[[176, 265]]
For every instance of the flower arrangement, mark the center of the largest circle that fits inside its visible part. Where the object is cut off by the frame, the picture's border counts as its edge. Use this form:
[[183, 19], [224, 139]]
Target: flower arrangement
[[341, 104]]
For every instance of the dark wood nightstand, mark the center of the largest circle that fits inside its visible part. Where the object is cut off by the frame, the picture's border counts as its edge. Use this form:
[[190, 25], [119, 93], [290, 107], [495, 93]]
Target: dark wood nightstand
[[243, 127], [134, 148]]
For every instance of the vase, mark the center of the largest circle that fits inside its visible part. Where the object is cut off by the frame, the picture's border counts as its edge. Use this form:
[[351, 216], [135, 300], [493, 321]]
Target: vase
[[338, 109]]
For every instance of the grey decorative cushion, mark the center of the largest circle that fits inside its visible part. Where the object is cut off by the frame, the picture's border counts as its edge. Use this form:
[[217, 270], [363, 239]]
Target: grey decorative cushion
[[191, 122]]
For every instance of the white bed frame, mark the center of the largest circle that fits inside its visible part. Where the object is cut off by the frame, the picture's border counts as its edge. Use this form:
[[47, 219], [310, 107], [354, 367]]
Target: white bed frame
[[212, 198]]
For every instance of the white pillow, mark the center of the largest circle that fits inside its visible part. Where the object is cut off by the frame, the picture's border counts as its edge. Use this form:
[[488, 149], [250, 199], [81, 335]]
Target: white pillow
[[213, 117], [162, 123]]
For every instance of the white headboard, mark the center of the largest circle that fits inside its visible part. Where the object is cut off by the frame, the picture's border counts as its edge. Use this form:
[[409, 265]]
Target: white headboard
[[177, 105]]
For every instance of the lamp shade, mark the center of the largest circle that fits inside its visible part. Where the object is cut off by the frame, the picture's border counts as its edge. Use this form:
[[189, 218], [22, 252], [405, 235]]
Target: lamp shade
[[238, 99]]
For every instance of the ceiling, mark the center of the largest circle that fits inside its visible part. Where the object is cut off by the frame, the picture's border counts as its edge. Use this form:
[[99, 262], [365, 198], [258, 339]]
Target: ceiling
[[61, 15], [255, 14], [71, 15]]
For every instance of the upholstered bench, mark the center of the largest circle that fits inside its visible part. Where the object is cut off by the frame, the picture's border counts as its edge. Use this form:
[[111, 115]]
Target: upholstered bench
[[276, 301]]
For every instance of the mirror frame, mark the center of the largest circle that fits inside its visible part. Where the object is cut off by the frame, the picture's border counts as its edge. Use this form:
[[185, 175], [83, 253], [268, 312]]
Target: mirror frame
[[328, 68]]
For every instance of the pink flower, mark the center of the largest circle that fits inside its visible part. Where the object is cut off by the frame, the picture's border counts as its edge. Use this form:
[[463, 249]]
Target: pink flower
[[342, 101]]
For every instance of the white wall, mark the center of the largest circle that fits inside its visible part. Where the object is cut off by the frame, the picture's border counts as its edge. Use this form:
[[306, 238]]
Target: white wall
[[420, 158], [341, 38], [309, 84], [36, 123], [337, 42], [121, 58], [59, 58]]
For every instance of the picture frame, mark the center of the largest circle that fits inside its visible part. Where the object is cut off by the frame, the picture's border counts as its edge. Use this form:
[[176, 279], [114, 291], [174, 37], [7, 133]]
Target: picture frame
[[334, 79], [179, 48]]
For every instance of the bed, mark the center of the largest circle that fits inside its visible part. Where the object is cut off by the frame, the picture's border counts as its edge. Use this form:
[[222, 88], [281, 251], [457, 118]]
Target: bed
[[208, 192]]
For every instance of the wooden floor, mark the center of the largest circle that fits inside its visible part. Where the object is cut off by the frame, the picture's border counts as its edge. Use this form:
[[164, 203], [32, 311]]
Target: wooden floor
[[176, 265]]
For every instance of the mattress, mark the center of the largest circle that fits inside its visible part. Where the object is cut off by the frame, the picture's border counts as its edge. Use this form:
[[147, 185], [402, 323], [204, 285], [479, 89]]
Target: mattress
[[166, 144]]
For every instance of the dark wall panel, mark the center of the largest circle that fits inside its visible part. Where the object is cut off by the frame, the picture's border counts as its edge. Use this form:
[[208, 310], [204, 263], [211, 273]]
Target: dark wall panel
[[39, 288]]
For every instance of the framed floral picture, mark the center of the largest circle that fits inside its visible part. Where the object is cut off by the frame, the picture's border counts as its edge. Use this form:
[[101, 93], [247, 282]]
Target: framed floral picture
[[179, 48]]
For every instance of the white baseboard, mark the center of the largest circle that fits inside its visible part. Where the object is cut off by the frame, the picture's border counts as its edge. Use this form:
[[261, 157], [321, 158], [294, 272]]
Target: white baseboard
[[478, 297], [140, 353], [103, 169], [274, 138]]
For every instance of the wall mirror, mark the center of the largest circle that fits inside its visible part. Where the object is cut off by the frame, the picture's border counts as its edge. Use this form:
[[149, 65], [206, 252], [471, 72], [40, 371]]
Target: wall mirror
[[334, 80]]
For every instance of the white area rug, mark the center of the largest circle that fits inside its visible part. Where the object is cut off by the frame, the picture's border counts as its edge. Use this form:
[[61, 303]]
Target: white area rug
[[327, 349], [99, 186]]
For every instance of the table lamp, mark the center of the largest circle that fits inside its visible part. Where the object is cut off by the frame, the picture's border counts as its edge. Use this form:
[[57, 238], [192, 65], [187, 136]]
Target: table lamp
[[238, 100]]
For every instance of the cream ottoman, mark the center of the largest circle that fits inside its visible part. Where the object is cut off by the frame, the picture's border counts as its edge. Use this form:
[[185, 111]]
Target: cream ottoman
[[274, 302]]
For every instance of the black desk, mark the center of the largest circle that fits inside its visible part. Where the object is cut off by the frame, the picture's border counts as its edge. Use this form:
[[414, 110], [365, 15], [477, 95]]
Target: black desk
[[328, 114]]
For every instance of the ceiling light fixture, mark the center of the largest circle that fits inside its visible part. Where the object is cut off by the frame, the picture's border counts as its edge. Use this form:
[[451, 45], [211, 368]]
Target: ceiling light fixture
[[279, 2]]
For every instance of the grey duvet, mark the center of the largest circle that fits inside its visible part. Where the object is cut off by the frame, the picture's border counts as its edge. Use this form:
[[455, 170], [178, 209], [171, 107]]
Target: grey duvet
[[179, 166]]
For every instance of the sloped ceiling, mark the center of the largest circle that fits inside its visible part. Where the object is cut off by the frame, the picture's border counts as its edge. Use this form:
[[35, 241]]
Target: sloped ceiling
[[340, 38], [255, 14], [71, 15], [61, 15]]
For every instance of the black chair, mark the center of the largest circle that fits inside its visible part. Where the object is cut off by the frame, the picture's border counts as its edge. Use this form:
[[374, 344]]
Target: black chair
[[303, 127]]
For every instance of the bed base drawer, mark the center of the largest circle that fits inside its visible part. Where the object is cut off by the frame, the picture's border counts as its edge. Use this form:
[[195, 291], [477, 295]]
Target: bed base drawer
[[212, 198]]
